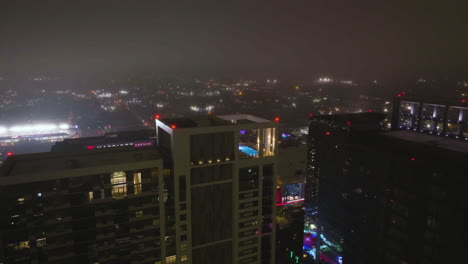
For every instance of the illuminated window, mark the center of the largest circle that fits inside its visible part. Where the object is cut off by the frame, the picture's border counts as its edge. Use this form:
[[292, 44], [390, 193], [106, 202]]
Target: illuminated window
[[405, 121], [23, 245], [90, 196], [119, 185], [138, 214], [41, 242], [171, 260], [156, 222], [269, 140], [183, 247], [249, 142], [453, 128], [137, 182], [19, 246], [21, 200], [183, 258]]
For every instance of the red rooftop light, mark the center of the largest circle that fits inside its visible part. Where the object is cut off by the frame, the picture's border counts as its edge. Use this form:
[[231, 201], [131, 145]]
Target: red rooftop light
[[463, 101], [403, 93], [90, 147], [9, 154], [398, 95], [370, 111], [311, 115], [413, 158], [348, 123], [173, 126], [157, 116], [277, 119], [327, 133]]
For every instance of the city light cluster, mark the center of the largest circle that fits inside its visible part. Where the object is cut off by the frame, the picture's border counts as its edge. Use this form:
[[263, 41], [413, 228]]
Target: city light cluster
[[201, 109], [34, 128], [325, 80]]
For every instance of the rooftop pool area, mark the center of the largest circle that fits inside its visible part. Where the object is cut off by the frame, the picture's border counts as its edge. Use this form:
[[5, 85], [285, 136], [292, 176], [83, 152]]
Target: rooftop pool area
[[248, 150]]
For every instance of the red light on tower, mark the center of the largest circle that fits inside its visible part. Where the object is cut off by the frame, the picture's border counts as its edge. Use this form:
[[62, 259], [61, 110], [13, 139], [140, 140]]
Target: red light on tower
[[328, 133], [370, 111], [398, 95], [9, 154], [311, 115], [413, 158], [157, 116], [348, 123], [277, 119], [90, 147], [463, 101], [173, 126], [403, 93]]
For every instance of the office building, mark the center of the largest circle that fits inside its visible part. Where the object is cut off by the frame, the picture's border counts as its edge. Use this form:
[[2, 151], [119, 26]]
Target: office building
[[339, 223]]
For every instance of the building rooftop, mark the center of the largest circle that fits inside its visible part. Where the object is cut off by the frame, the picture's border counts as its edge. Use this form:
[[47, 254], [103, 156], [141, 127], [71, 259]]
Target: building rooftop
[[61, 161], [185, 122], [209, 121], [429, 140], [244, 119], [433, 100], [354, 118], [74, 144]]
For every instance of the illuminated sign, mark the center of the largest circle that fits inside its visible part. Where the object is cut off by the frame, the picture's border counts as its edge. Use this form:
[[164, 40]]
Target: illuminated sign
[[141, 144], [290, 194]]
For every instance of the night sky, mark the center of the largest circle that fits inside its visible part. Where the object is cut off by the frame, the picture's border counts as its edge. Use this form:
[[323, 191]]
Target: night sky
[[347, 39]]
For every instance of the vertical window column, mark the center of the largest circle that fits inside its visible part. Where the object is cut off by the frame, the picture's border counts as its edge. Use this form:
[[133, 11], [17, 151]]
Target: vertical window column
[[119, 185], [137, 183]]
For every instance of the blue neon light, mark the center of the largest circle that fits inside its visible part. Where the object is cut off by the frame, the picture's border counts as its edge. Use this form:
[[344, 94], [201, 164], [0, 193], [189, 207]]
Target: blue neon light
[[249, 151]]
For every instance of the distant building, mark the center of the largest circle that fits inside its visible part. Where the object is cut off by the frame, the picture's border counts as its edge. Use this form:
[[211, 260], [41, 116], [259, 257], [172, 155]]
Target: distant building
[[290, 199], [116, 140]]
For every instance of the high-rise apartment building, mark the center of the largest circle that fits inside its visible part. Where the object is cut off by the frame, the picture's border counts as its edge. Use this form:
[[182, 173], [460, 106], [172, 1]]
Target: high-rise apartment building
[[92, 206], [389, 197], [224, 171], [202, 192]]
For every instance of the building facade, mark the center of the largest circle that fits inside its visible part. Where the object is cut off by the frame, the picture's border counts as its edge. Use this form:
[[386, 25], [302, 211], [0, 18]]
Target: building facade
[[88, 207], [340, 223], [389, 197], [225, 175], [425, 202], [202, 192], [290, 195], [438, 117]]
